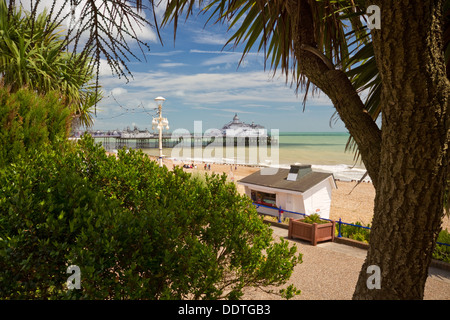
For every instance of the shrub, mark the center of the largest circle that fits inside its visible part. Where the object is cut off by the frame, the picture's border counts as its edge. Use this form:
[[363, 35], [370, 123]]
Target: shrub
[[354, 231], [29, 121], [136, 231], [442, 252], [314, 218]]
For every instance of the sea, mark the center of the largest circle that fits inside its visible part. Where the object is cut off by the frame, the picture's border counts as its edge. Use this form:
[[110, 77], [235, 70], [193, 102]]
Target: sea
[[324, 151]]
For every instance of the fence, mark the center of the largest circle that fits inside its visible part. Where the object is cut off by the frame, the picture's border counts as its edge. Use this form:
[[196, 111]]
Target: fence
[[280, 213]]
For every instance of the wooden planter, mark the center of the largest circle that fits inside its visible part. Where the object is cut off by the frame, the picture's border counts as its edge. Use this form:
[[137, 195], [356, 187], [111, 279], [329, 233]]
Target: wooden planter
[[316, 232]]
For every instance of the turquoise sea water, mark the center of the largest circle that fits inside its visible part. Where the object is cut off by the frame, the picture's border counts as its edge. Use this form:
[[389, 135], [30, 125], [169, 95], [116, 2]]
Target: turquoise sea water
[[293, 147], [314, 148], [325, 151]]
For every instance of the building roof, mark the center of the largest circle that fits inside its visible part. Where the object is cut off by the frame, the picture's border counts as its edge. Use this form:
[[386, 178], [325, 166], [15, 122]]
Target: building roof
[[304, 180], [238, 124]]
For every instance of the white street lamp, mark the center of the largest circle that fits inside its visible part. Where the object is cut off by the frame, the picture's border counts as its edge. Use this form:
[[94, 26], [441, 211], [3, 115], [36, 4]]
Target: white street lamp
[[160, 122]]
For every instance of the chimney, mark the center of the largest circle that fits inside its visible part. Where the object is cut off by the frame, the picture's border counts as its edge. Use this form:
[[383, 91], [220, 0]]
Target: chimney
[[297, 172]]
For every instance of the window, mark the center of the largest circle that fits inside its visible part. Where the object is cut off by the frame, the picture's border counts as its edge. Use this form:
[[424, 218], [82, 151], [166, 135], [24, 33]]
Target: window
[[267, 199]]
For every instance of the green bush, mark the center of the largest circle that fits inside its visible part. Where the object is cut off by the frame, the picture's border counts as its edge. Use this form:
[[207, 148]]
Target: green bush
[[442, 252], [29, 121], [314, 218], [355, 232], [136, 231]]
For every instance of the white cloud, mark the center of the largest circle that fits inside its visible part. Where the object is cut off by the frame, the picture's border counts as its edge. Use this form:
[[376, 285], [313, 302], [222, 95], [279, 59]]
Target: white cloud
[[203, 36], [229, 58], [165, 54], [207, 97], [254, 105], [160, 8], [286, 108], [179, 93], [207, 89], [144, 32], [118, 91], [104, 68], [237, 111], [221, 109], [171, 64]]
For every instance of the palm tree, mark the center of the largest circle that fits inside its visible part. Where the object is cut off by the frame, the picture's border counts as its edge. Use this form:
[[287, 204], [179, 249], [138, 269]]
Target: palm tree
[[32, 54], [324, 43]]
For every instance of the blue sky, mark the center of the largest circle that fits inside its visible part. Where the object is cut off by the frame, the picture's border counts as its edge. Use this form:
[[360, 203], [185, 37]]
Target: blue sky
[[202, 81]]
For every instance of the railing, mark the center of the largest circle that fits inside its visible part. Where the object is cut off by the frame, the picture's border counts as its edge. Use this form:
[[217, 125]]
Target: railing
[[348, 224], [339, 223]]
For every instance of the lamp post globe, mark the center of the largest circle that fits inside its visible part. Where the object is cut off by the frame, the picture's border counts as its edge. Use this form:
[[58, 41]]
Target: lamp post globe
[[159, 101]]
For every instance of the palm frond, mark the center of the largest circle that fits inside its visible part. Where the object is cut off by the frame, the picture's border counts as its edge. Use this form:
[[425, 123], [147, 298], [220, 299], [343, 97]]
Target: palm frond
[[266, 26], [32, 56]]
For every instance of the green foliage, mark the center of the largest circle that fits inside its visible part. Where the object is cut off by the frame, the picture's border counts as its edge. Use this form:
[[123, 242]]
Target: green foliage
[[33, 54], [29, 121], [136, 231], [314, 218], [355, 232], [290, 292], [442, 252]]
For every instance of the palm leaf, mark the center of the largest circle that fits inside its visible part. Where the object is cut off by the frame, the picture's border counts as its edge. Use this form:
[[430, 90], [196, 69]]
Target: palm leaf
[[33, 54]]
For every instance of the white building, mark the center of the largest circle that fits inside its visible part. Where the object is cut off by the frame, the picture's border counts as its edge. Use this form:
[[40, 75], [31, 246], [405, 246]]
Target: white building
[[298, 189], [135, 134], [237, 128]]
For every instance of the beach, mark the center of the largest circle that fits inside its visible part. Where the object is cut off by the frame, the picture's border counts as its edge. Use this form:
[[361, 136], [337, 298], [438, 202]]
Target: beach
[[329, 271], [350, 203]]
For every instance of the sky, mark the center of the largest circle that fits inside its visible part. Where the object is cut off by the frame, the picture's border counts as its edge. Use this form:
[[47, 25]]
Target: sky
[[203, 81]]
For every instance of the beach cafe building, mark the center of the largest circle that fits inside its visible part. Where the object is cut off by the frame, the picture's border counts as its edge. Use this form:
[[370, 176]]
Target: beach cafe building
[[298, 189]]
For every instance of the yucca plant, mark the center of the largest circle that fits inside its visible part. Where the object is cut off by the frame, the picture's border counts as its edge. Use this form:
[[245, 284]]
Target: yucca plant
[[33, 55], [314, 218]]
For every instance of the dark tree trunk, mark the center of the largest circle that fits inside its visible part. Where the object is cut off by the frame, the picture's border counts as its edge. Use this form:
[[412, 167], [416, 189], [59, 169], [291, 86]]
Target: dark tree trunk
[[407, 159], [413, 164]]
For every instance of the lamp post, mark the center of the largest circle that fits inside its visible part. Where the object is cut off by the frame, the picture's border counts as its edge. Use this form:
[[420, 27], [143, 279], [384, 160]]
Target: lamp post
[[160, 122]]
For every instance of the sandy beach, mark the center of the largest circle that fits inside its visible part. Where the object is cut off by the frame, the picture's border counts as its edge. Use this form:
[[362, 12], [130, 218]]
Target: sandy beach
[[329, 270], [348, 203]]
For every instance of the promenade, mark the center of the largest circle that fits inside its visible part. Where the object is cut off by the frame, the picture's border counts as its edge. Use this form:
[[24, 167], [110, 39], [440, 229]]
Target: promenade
[[330, 271]]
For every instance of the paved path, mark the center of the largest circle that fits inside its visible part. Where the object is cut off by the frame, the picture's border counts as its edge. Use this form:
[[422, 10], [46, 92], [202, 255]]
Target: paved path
[[330, 270]]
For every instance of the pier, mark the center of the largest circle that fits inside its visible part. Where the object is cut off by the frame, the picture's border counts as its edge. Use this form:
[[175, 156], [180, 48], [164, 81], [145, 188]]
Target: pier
[[235, 133], [118, 141]]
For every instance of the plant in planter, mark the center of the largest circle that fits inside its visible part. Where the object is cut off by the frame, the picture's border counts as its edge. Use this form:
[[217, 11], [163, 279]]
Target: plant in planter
[[312, 229], [313, 218]]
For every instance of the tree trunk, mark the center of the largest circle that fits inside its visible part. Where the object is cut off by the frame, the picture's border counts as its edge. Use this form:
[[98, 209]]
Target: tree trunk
[[336, 85], [413, 161], [407, 159]]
